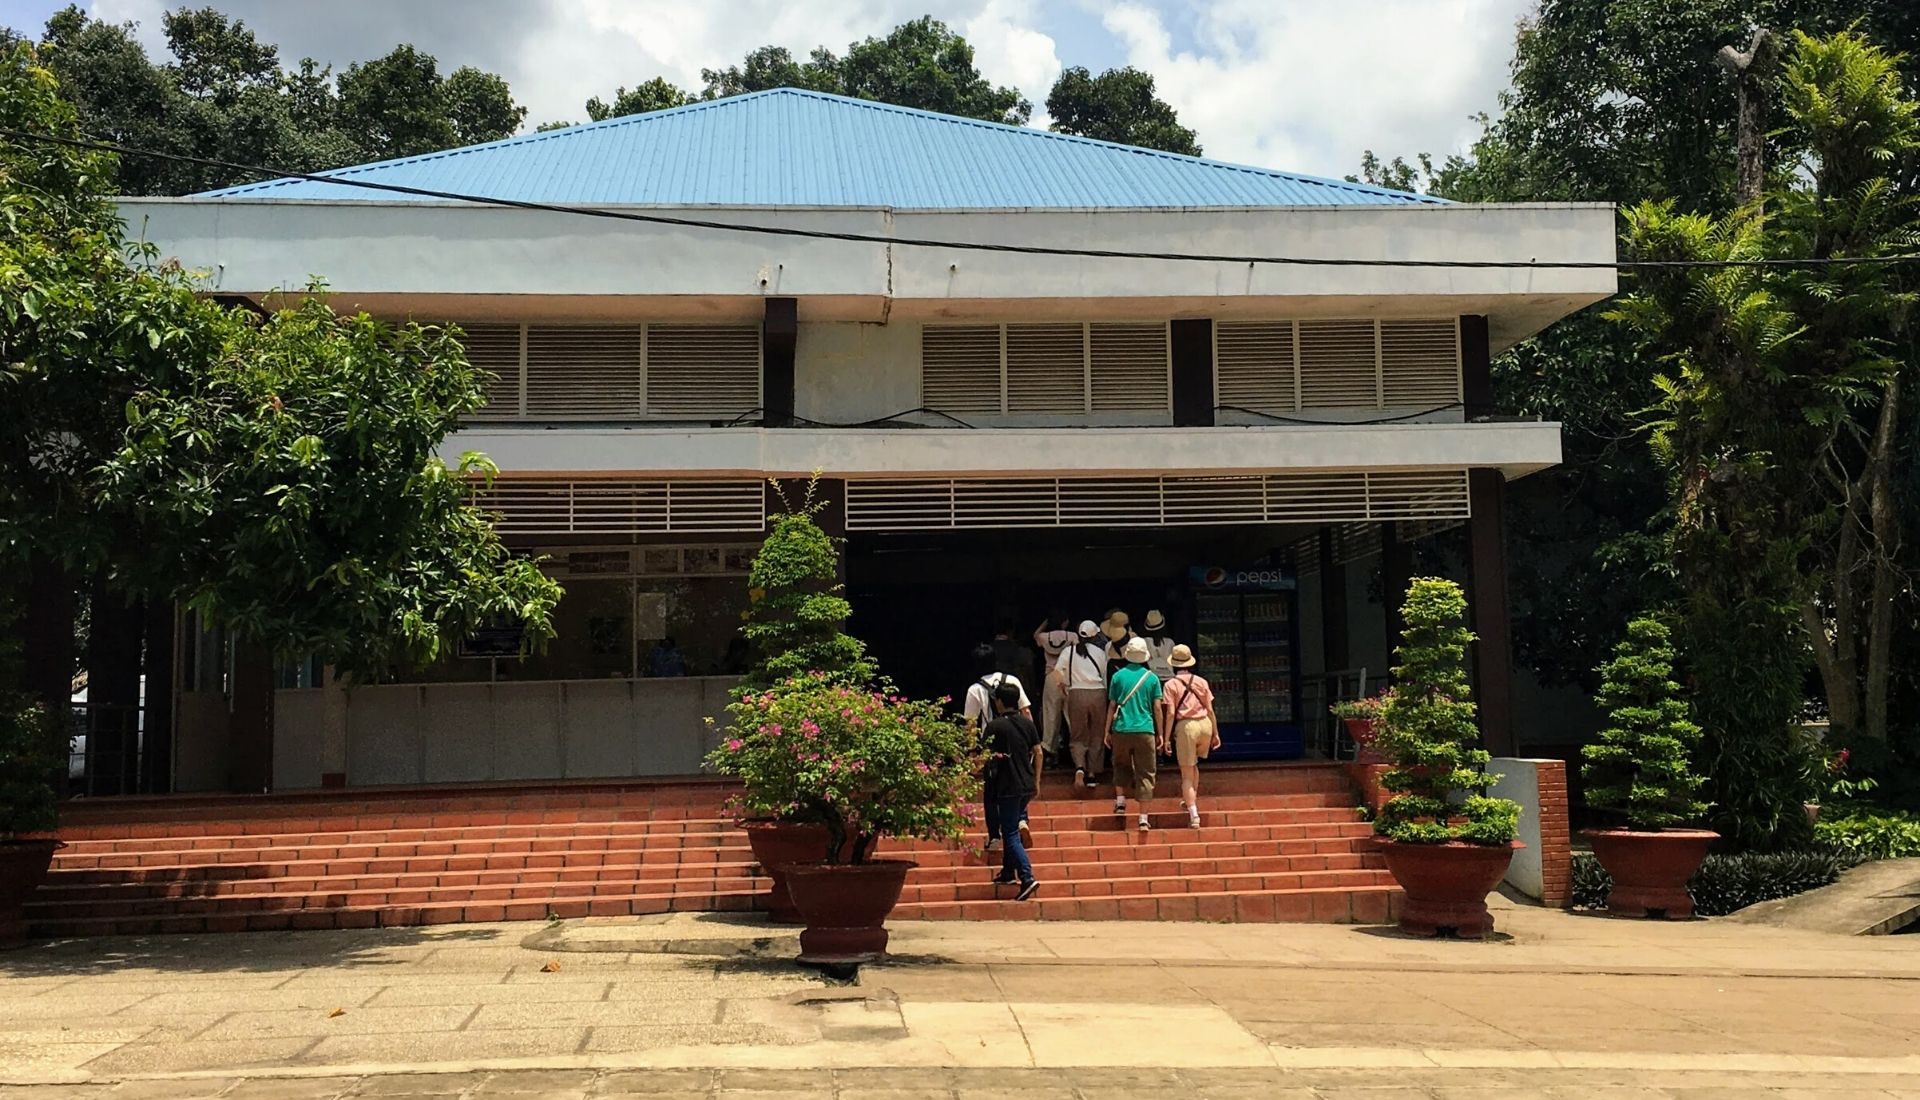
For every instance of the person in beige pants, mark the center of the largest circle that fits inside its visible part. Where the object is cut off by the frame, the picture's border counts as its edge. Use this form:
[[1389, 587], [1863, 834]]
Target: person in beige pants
[[1081, 671]]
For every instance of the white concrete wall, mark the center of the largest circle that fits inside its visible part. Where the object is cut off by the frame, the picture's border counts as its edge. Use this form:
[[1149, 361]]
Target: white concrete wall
[[845, 372], [1516, 448], [1520, 781], [448, 733], [425, 257]]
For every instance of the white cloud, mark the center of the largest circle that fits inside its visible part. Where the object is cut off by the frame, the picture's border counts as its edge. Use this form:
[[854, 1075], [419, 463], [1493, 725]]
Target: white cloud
[[1307, 85]]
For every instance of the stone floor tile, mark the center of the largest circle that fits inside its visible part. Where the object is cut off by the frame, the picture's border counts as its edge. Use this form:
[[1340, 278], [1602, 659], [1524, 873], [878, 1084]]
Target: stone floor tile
[[290, 1088], [201, 1055], [399, 1049], [419, 1084], [537, 1082], [655, 1082], [353, 1021]]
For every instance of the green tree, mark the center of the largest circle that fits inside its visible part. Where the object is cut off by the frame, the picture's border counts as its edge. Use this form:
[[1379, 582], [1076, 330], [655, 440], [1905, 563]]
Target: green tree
[[920, 63], [657, 94], [1119, 105], [394, 104], [1428, 733], [797, 611], [1778, 425], [279, 474], [480, 106], [1641, 766]]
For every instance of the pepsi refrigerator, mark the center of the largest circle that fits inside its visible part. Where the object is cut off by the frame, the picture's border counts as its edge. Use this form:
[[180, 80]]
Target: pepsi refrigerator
[[1246, 629]]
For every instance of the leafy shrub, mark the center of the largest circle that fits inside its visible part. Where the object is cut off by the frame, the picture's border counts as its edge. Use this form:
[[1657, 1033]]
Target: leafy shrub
[[1427, 732], [1866, 833], [1639, 767], [1726, 883], [797, 611], [33, 755], [863, 763]]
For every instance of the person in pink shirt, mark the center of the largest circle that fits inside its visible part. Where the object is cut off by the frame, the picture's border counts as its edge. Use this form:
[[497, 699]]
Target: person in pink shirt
[[1193, 727]]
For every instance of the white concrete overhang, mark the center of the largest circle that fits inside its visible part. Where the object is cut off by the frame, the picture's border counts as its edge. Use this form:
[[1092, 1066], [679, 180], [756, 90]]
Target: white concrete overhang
[[1515, 448], [437, 260]]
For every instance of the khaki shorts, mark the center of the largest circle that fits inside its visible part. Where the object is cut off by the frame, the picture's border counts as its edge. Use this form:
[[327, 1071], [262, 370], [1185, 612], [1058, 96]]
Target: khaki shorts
[[1192, 740]]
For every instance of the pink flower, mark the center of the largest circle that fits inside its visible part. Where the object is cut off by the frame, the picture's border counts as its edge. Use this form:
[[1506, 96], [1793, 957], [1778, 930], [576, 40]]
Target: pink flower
[[736, 744], [923, 769]]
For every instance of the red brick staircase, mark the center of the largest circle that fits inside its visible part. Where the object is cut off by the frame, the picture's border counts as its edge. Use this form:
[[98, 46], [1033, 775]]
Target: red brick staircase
[[1278, 843]]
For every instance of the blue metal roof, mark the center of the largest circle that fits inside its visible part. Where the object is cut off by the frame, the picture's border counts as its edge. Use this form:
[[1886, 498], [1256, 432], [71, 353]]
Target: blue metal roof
[[789, 147]]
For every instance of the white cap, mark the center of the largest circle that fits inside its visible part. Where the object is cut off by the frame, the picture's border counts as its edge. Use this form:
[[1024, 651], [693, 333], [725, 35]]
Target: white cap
[[1089, 628]]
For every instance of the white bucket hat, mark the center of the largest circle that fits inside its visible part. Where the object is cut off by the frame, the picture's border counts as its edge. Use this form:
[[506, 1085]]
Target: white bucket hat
[[1137, 652]]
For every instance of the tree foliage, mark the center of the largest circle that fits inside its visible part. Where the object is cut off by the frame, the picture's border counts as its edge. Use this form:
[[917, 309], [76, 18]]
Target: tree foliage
[[1641, 766], [279, 474], [225, 95], [1427, 731], [657, 94], [1777, 425], [797, 611], [1119, 105]]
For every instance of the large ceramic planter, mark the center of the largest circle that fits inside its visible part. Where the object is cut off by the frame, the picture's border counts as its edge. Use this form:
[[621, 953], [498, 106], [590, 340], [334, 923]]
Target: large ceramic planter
[[1650, 868], [778, 844], [1447, 884], [1362, 731], [23, 867], [845, 908]]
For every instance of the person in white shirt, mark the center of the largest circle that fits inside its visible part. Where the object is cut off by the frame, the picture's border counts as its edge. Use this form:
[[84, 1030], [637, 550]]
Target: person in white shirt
[[977, 709], [1052, 638], [1082, 670], [1159, 645]]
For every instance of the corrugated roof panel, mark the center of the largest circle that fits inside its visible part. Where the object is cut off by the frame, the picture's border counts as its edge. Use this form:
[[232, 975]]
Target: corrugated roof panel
[[789, 147]]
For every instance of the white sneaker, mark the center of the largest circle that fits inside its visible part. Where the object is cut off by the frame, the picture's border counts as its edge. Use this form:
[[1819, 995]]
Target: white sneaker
[[1026, 835], [1144, 823], [1120, 806]]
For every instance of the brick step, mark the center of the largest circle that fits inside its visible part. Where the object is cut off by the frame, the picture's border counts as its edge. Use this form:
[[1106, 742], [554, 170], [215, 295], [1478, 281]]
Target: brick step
[[1066, 816], [1329, 905]]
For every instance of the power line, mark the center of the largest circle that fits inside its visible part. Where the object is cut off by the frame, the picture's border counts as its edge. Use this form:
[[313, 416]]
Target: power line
[[267, 173]]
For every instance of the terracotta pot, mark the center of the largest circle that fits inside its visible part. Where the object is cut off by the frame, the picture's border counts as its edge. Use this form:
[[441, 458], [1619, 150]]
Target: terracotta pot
[[1447, 884], [23, 867], [776, 845], [1650, 868], [1812, 810], [845, 907], [1362, 731]]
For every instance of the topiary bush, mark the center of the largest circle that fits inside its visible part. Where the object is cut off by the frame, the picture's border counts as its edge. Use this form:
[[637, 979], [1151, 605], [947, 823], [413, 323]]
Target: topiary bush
[[1427, 733], [33, 756], [1640, 768], [1727, 883], [796, 613]]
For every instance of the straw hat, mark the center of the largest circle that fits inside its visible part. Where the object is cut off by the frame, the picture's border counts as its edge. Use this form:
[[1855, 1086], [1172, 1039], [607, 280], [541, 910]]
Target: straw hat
[[1156, 621], [1136, 651], [1181, 657]]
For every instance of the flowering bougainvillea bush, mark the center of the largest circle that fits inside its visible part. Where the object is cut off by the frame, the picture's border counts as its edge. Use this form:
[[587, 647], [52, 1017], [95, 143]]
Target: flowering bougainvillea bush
[[864, 762]]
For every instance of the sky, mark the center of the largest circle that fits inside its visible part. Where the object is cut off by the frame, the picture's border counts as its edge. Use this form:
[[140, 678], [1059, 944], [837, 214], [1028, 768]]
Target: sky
[[1300, 85]]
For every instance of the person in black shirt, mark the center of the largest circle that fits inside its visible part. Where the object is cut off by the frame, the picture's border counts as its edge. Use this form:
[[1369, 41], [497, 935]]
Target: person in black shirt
[[1010, 784]]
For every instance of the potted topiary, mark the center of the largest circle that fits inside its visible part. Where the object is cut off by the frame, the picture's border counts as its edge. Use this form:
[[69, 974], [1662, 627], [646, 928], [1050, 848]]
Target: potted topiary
[[1639, 770], [864, 765], [32, 756], [795, 623], [1445, 840]]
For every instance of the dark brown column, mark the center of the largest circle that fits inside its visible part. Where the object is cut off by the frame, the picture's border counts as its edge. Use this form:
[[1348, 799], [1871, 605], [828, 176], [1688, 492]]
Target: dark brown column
[[250, 726], [1476, 367], [1333, 606], [1192, 347], [156, 758], [114, 627], [1493, 652], [47, 648], [779, 335], [1396, 571]]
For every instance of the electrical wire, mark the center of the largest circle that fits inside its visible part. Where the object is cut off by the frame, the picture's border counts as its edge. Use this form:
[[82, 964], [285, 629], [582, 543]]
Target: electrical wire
[[268, 173], [1322, 423]]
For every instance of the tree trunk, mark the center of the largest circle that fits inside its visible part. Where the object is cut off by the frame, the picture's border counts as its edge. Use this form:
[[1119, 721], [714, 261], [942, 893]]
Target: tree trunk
[[1750, 70], [1886, 538], [1836, 676]]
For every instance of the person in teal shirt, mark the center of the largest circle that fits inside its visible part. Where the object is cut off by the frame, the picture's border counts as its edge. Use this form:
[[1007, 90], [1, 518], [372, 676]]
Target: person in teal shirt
[[1133, 728]]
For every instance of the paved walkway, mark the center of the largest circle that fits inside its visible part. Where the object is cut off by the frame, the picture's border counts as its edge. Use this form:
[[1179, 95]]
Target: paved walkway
[[1586, 1006]]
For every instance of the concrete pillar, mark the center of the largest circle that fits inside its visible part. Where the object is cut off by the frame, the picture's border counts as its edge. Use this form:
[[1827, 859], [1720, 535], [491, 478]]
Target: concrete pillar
[[1487, 609], [1333, 606], [250, 723], [1192, 348], [779, 336], [156, 711]]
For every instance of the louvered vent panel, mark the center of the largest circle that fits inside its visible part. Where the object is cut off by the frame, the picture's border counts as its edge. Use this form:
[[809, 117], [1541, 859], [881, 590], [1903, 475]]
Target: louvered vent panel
[[541, 506], [1131, 367], [1421, 494], [1337, 365], [1354, 542], [1420, 362], [940, 504], [496, 349], [1253, 365], [1046, 369], [960, 368], [702, 371], [583, 372]]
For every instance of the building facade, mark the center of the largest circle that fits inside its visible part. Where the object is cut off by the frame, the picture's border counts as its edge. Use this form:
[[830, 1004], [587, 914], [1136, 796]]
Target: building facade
[[1019, 394]]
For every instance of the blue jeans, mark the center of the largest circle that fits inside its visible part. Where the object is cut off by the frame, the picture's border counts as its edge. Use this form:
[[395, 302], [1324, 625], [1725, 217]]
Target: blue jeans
[[993, 821], [1006, 814]]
